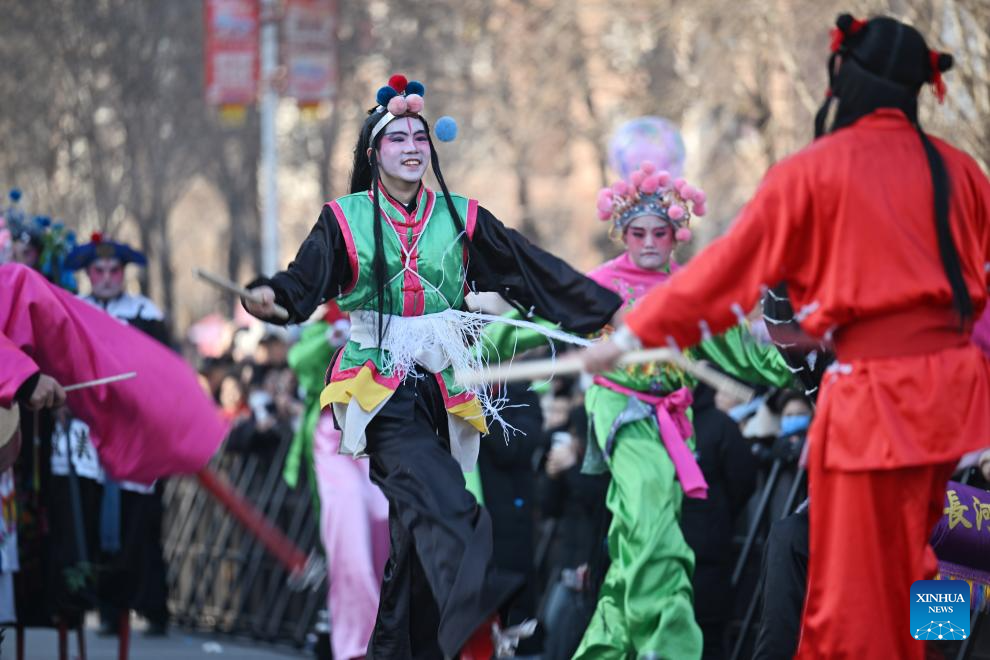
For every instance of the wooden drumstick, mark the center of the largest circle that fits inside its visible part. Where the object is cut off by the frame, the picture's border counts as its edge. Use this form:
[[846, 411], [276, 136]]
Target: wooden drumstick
[[281, 313], [572, 364], [100, 381]]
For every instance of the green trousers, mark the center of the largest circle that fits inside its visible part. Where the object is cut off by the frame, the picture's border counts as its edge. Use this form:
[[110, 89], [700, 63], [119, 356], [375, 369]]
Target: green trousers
[[645, 608]]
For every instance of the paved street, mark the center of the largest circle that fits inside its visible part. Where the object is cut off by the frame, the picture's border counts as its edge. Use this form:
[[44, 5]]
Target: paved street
[[42, 644]]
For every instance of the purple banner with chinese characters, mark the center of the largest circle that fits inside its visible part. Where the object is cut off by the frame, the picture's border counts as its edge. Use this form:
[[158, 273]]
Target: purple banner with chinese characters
[[961, 540]]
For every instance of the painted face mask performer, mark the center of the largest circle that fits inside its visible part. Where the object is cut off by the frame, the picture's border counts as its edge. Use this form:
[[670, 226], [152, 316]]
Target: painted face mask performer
[[641, 433], [130, 513], [399, 257], [881, 235]]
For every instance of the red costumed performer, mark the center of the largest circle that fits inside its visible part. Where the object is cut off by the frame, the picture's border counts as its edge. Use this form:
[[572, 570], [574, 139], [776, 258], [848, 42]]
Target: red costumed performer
[[880, 233]]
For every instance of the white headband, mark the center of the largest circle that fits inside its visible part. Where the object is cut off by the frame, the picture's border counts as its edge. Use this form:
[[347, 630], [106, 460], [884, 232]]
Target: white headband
[[382, 123]]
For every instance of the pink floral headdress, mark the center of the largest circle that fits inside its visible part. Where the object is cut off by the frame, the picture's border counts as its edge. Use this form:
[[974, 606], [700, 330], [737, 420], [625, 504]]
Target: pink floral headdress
[[652, 192]]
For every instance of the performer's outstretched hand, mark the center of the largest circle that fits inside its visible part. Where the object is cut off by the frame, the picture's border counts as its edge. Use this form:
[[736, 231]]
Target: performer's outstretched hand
[[601, 356], [262, 304], [47, 394]]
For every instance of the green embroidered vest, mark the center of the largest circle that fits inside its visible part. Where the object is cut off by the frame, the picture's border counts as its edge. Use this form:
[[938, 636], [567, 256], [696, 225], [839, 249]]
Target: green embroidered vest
[[424, 260]]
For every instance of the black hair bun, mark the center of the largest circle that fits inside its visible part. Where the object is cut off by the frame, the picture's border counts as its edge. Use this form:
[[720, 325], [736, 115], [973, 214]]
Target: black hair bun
[[845, 22], [945, 62]]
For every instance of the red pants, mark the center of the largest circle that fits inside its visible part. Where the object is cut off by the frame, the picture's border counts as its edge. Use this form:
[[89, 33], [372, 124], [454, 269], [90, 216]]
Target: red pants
[[869, 542]]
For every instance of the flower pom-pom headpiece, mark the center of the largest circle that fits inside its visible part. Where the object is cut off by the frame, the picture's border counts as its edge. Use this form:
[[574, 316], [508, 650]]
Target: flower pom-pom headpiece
[[651, 191], [446, 129], [399, 97]]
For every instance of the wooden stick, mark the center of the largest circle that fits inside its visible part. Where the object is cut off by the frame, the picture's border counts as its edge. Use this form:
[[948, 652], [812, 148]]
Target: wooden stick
[[304, 572], [100, 381], [713, 377], [573, 364], [281, 313]]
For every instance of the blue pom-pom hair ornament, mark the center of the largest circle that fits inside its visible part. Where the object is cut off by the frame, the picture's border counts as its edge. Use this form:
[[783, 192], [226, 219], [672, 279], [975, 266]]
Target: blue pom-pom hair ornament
[[446, 129], [402, 97], [385, 94]]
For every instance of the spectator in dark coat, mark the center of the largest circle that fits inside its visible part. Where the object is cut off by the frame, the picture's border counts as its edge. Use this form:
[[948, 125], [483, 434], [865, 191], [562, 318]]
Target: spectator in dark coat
[[730, 470], [506, 471], [577, 501]]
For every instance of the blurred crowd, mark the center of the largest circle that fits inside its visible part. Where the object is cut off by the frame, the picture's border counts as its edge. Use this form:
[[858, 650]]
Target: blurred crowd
[[253, 386]]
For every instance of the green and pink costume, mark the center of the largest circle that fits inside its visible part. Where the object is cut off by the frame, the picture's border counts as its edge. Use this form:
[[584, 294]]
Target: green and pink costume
[[645, 605], [396, 399]]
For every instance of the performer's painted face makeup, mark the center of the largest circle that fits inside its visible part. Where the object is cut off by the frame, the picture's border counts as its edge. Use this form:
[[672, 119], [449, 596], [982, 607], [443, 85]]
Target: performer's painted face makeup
[[25, 253], [106, 277], [404, 151], [649, 241]]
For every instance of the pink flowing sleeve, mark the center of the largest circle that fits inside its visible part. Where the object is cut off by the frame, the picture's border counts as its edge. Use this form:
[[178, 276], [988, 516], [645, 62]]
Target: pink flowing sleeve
[[156, 424], [15, 368]]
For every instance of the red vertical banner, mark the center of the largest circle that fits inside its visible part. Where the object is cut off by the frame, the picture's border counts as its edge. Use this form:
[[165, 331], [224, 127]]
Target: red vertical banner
[[232, 58], [309, 47]]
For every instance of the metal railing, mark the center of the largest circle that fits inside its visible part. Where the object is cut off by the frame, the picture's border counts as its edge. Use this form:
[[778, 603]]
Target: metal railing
[[220, 578]]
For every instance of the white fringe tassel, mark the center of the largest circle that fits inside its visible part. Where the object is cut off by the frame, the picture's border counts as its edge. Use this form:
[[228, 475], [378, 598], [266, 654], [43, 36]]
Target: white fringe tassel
[[437, 341]]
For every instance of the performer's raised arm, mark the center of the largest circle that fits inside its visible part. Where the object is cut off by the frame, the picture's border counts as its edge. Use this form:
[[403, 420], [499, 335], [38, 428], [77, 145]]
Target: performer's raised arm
[[540, 283], [319, 272]]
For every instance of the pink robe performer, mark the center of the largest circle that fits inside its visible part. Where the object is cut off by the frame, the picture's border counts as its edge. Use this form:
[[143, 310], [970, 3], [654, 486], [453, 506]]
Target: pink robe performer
[[354, 527], [43, 327]]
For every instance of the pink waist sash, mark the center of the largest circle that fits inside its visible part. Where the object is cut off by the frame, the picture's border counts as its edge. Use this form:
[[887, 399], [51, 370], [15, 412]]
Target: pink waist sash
[[675, 428]]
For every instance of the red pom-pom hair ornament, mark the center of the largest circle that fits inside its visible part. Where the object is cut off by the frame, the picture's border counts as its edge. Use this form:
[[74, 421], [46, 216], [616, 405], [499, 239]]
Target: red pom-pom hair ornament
[[682, 235], [398, 82], [96, 237]]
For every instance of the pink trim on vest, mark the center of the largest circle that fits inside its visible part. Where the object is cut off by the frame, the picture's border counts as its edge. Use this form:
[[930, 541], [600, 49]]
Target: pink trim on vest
[[470, 222], [472, 217], [390, 382], [451, 401], [352, 254]]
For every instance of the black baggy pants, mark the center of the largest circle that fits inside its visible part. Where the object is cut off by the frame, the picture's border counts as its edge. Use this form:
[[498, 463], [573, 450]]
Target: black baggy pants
[[440, 584]]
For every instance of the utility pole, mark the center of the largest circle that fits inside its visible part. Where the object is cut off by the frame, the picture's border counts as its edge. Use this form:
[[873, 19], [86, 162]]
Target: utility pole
[[269, 145]]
